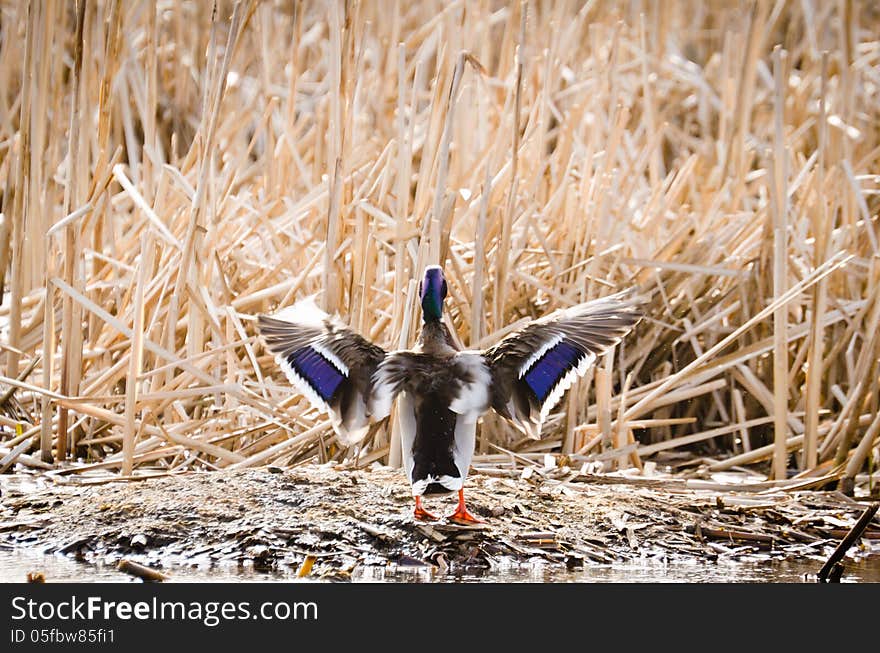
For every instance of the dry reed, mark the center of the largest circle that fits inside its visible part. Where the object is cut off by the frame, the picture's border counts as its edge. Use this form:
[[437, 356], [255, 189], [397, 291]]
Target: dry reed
[[169, 170]]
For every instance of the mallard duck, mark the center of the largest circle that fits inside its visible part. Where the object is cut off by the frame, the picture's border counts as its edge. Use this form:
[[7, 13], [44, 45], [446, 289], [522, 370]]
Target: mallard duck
[[441, 390]]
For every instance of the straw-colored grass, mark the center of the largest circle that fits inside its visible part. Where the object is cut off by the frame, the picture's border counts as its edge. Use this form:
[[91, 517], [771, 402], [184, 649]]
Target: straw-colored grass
[[168, 171]]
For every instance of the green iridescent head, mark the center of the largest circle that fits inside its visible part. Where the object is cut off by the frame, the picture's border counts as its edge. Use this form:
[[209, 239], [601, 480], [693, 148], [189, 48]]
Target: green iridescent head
[[432, 293]]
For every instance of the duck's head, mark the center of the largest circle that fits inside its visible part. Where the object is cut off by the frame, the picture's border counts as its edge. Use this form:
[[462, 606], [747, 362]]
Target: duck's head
[[432, 293]]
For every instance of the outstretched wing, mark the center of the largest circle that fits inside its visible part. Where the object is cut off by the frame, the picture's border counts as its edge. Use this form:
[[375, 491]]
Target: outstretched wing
[[329, 363], [533, 367]]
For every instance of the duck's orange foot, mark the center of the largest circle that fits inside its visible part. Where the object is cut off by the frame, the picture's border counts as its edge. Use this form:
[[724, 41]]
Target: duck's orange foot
[[420, 514], [461, 514]]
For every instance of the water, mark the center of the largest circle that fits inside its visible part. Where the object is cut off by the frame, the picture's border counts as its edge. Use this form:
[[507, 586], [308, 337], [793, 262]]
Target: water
[[14, 566]]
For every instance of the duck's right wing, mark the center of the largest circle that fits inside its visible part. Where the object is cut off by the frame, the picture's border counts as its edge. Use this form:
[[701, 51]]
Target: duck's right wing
[[533, 367], [329, 363]]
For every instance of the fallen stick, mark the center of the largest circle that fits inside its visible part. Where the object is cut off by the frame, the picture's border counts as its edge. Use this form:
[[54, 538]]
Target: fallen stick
[[21, 377], [34, 463], [651, 449], [765, 452], [733, 534], [141, 571], [9, 459], [833, 564], [115, 478]]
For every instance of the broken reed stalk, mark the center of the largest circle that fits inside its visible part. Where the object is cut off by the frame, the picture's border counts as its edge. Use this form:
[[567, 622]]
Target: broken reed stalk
[[857, 460], [849, 539], [503, 259], [17, 285], [145, 268], [604, 373], [779, 206], [334, 144], [71, 332], [437, 213], [821, 232], [586, 156], [404, 164], [47, 406]]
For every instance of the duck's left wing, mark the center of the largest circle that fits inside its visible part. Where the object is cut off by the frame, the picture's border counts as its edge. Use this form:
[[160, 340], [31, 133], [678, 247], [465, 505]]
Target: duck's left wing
[[533, 367], [328, 362]]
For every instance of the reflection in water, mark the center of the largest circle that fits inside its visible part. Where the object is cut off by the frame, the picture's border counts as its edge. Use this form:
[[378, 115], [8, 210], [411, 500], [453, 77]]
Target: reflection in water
[[14, 567]]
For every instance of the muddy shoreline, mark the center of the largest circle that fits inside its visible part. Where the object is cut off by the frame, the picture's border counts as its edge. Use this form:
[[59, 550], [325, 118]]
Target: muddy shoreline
[[336, 520]]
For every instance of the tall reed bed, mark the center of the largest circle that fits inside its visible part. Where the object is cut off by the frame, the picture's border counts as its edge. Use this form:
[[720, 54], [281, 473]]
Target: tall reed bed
[[170, 169]]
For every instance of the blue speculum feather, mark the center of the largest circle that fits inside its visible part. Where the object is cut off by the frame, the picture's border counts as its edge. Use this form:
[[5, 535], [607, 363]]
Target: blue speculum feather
[[317, 371], [551, 367]]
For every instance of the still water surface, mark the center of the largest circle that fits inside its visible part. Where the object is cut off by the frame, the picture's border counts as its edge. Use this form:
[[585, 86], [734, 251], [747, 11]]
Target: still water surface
[[15, 565]]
